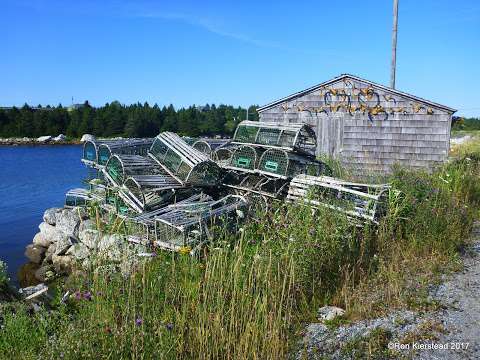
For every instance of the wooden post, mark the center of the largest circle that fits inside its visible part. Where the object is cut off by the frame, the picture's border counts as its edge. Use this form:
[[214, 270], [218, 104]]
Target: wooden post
[[394, 44]]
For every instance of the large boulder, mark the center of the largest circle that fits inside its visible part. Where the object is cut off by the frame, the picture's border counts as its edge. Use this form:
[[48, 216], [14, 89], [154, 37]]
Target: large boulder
[[78, 251], [44, 138], [44, 273], [111, 246], [87, 137], [68, 221], [49, 216], [35, 253], [86, 225], [60, 138], [49, 253], [89, 237], [51, 233], [62, 263], [41, 240], [63, 244]]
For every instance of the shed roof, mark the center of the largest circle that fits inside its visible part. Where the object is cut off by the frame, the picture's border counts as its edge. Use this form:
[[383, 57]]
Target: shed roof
[[353, 77]]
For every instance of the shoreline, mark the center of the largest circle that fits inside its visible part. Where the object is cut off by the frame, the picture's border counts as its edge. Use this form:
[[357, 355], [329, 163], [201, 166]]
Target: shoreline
[[35, 142]]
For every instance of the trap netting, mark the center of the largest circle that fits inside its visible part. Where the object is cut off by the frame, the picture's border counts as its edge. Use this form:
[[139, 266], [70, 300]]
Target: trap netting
[[186, 164], [292, 136], [120, 166], [245, 158]]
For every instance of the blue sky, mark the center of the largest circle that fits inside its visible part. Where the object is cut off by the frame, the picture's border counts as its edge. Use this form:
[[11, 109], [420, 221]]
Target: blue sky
[[232, 52]]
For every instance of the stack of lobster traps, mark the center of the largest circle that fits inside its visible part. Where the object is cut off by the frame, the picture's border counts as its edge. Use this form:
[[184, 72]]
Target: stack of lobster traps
[[166, 193], [177, 193], [265, 157]]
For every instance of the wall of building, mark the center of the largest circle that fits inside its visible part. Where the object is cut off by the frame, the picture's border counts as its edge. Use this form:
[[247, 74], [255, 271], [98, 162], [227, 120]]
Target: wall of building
[[369, 128]]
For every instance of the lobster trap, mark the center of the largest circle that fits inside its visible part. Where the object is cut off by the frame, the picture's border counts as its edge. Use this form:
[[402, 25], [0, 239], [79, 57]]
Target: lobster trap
[[245, 158], [183, 162], [292, 137], [119, 167], [360, 202], [284, 164], [187, 225], [146, 192], [208, 146]]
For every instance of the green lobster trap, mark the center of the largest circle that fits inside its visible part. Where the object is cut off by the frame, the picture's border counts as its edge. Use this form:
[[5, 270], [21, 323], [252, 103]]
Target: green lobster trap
[[126, 146], [245, 158], [284, 164], [183, 162], [208, 146], [292, 137], [147, 192], [120, 166]]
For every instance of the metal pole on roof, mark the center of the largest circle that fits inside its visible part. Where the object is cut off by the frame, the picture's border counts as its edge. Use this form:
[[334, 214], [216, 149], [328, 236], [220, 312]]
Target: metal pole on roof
[[394, 44], [247, 113]]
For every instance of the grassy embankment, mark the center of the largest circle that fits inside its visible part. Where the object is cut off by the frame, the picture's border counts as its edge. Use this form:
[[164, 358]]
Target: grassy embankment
[[250, 297]]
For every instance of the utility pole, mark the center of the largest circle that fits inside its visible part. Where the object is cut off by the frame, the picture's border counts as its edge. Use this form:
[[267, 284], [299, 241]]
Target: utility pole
[[394, 44]]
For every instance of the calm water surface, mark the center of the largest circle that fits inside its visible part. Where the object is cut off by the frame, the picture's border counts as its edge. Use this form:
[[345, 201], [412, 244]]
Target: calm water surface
[[32, 179]]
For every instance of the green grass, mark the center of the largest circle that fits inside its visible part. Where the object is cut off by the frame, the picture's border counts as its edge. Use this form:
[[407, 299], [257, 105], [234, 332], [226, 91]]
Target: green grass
[[250, 296]]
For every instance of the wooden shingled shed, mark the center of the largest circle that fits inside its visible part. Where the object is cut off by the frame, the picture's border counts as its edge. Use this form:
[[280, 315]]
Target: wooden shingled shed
[[368, 126]]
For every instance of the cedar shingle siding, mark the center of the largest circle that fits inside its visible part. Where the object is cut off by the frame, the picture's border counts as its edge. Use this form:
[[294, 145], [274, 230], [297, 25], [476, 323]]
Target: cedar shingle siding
[[368, 126]]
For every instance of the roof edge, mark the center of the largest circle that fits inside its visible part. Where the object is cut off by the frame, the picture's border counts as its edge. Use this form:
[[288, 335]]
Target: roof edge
[[343, 76]]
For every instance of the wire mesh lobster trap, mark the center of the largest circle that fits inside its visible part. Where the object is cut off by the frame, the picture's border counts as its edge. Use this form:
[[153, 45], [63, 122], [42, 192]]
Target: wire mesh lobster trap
[[260, 184], [145, 222], [292, 137], [208, 146], [124, 146], [120, 166], [187, 225], [245, 158], [186, 164], [146, 192], [360, 202], [222, 156], [281, 163]]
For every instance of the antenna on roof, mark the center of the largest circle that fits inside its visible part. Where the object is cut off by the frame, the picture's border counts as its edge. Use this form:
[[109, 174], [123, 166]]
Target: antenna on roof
[[394, 44]]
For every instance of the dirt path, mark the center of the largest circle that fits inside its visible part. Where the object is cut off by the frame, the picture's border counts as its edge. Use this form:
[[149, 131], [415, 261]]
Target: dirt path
[[460, 316], [454, 329]]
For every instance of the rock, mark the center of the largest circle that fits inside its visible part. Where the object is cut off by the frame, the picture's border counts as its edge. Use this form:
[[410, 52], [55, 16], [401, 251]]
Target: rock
[[110, 246], [59, 138], [30, 290], [44, 138], [26, 274], [63, 263], [68, 221], [49, 216], [51, 233], [35, 253], [329, 312], [87, 137], [40, 240], [43, 273], [86, 225], [49, 253], [89, 237], [63, 244], [78, 251]]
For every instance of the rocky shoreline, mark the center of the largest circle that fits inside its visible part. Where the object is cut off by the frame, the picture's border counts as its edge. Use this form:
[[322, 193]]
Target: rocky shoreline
[[43, 140], [68, 240]]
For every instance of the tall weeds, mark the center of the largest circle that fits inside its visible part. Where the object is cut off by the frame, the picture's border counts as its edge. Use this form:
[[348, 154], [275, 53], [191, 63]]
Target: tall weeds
[[249, 296]]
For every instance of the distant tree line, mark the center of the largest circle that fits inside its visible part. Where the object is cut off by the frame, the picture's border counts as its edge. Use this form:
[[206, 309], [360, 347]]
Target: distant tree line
[[115, 119], [460, 123]]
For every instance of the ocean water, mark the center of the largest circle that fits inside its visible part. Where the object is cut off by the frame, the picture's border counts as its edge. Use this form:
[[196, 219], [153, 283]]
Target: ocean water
[[32, 179]]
